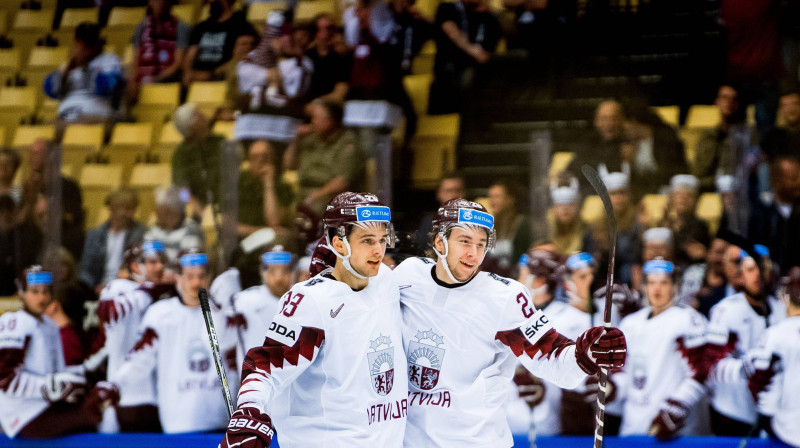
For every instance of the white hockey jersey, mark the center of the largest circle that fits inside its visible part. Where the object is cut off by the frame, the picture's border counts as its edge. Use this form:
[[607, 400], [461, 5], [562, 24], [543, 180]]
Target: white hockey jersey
[[462, 344], [781, 399], [735, 318], [256, 306], [224, 287], [659, 367], [174, 344], [30, 348], [332, 371]]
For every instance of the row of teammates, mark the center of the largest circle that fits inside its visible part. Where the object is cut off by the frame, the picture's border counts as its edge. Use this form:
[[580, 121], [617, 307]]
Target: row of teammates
[[359, 354]]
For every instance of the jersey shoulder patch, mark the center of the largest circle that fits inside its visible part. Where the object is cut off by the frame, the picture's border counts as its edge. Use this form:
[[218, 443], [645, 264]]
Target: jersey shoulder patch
[[314, 281], [15, 327]]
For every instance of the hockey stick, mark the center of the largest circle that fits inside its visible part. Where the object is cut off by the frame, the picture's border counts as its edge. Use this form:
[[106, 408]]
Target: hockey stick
[[212, 339], [611, 220]]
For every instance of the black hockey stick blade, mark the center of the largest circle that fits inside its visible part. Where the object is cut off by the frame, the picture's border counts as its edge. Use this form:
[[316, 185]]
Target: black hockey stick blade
[[202, 294]]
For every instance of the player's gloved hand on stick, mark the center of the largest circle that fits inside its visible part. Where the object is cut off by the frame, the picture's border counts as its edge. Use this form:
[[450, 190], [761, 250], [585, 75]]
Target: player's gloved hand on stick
[[759, 367], [670, 419], [627, 301], [248, 428], [530, 388], [600, 348], [66, 386], [102, 395], [593, 388]]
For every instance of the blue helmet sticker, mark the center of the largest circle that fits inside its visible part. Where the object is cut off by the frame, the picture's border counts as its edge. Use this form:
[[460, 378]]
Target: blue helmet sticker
[[39, 278], [189, 260], [477, 217], [658, 267], [276, 258], [579, 261], [373, 213], [153, 247]]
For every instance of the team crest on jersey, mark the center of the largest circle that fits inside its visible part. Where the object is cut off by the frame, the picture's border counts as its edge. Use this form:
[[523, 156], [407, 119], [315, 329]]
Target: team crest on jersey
[[425, 359], [639, 374], [199, 360], [381, 364]]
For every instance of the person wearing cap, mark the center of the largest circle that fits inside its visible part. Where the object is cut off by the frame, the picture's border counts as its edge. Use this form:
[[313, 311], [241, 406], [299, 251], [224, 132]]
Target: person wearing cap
[[333, 351], [172, 227], [690, 233], [728, 195], [123, 302], [737, 323], [88, 82], [657, 242], [41, 397], [775, 368], [464, 331], [565, 227], [105, 244], [252, 310], [173, 347], [661, 385]]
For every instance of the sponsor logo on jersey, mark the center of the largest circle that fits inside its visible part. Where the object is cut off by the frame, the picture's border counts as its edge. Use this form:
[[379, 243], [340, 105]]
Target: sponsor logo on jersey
[[381, 364], [336, 313], [536, 327], [425, 356], [284, 331]]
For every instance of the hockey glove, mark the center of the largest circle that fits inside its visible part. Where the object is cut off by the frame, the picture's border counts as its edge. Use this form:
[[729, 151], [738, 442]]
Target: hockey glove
[[530, 388], [102, 395], [759, 367], [600, 348], [248, 428], [627, 301], [670, 419], [64, 386], [593, 388]]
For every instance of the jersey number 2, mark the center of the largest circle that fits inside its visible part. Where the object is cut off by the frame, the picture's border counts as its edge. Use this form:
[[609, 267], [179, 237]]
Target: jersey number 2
[[527, 309], [290, 305]]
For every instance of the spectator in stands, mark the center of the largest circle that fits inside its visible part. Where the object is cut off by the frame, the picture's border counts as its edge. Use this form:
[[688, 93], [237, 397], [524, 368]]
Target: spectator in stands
[[8, 246], [212, 42], [9, 164], [785, 140], [68, 330], [327, 157], [90, 83], [331, 69], [629, 231], [691, 235], [466, 36], [652, 154], [726, 188], [22, 239], [36, 185], [566, 229], [76, 299], [770, 221], [172, 227], [264, 199], [159, 46], [451, 186], [106, 243], [717, 151], [603, 144], [713, 289], [656, 242], [196, 161], [514, 233], [411, 32]]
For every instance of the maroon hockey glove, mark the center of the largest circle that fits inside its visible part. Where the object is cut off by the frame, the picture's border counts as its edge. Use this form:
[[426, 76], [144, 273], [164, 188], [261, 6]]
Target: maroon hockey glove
[[599, 348], [593, 388], [66, 386], [670, 419], [102, 395], [759, 368], [248, 428], [626, 301], [530, 388], [237, 321], [323, 258]]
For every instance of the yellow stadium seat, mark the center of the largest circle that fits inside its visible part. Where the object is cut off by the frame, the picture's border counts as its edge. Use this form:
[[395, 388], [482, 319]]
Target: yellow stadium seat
[[690, 138], [157, 102], [121, 26], [29, 26], [167, 141], [9, 64], [484, 201], [560, 162], [25, 135], [702, 116], [428, 8], [96, 181], [224, 128], [433, 156], [146, 177], [418, 88], [668, 114], [654, 206], [2, 136], [423, 62], [709, 209], [81, 144], [4, 21], [439, 125], [129, 145], [187, 13], [258, 12], [20, 98], [70, 20], [207, 95], [41, 62], [592, 211], [306, 10]]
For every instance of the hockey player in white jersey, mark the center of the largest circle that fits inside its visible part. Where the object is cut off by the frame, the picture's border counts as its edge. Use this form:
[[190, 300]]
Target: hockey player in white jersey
[[254, 308], [737, 324], [662, 382], [174, 347], [464, 330], [122, 305], [774, 383], [40, 396], [331, 371]]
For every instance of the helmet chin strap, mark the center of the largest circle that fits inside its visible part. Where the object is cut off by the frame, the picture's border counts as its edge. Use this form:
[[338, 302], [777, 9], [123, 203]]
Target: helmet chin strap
[[346, 258]]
